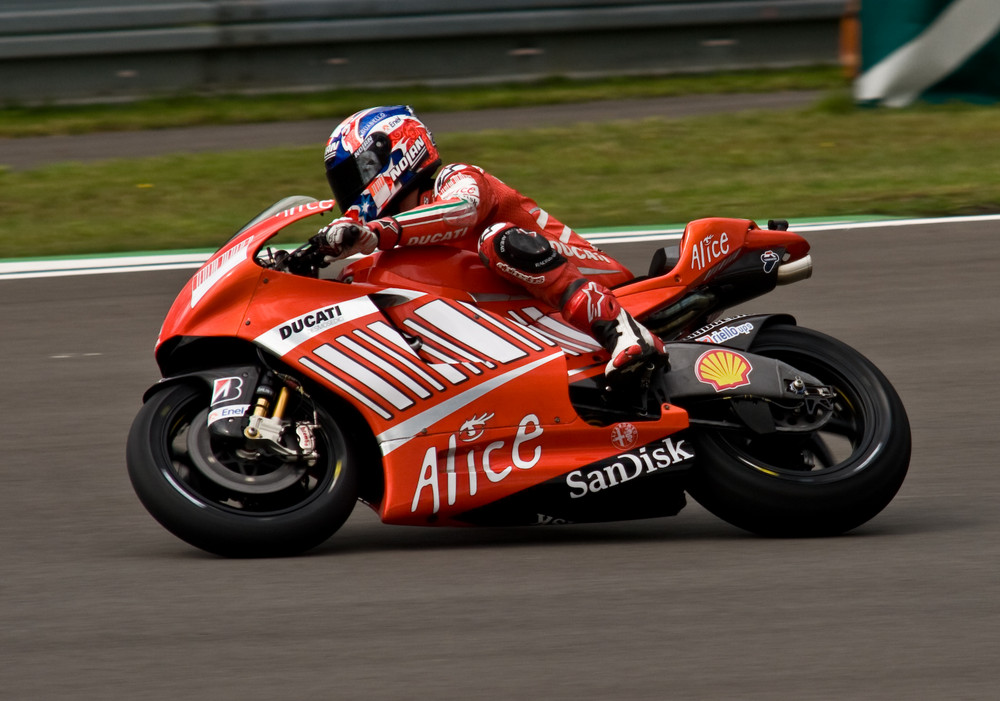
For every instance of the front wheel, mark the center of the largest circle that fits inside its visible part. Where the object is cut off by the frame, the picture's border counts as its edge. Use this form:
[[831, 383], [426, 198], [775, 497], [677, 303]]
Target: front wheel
[[811, 483], [223, 498]]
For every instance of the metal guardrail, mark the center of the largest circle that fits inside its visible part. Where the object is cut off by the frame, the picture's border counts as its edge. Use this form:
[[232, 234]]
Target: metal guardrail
[[55, 49]]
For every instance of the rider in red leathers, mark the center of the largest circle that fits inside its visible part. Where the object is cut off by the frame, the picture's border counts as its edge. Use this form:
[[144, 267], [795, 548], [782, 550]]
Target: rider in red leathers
[[380, 163]]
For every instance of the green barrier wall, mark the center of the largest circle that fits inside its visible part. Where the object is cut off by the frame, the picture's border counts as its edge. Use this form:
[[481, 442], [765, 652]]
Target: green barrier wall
[[932, 50]]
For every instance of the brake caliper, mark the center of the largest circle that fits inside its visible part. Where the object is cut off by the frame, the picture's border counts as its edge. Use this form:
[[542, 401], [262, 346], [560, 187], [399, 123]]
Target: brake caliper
[[270, 432]]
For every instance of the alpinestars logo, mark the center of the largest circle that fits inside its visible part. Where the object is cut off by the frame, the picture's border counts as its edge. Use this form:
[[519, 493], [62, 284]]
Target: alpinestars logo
[[461, 187], [596, 301], [524, 277]]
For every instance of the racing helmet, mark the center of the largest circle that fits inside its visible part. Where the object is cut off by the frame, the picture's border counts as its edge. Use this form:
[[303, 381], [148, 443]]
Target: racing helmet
[[376, 156]]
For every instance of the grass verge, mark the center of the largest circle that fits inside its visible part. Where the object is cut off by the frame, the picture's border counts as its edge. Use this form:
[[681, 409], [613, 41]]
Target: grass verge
[[831, 160]]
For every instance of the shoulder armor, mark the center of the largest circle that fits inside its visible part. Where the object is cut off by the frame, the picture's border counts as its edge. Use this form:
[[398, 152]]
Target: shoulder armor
[[457, 181]]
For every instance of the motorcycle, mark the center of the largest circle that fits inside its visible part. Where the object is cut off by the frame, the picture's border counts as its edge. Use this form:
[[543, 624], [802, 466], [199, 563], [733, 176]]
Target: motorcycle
[[421, 384]]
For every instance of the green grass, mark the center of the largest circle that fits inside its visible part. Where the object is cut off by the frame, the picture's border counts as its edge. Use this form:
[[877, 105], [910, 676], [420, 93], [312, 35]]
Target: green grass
[[830, 160], [18, 121]]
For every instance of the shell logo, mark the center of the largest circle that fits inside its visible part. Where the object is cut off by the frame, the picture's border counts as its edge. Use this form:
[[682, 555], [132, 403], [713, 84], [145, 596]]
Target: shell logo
[[723, 369]]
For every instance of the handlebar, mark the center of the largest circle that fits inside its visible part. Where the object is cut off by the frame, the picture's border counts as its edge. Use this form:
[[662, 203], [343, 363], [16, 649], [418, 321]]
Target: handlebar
[[306, 260]]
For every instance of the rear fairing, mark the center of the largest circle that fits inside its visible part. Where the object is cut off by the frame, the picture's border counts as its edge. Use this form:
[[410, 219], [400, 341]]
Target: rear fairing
[[719, 263]]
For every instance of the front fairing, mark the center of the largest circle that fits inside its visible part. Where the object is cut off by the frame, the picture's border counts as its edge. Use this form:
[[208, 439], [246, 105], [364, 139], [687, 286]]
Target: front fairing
[[215, 300]]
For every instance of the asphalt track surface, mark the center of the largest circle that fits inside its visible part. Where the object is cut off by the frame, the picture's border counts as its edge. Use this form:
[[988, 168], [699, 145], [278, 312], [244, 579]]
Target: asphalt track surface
[[98, 601], [32, 152]]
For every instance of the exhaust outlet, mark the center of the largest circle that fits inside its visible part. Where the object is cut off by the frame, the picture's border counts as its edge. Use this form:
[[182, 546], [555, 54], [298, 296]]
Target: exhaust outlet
[[795, 271]]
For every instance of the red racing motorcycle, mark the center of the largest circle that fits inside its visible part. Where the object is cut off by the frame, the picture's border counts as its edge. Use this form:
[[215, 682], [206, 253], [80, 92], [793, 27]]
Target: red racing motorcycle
[[420, 383]]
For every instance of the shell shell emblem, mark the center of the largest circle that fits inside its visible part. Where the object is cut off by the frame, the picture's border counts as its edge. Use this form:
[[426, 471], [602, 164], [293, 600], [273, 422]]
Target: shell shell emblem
[[723, 369]]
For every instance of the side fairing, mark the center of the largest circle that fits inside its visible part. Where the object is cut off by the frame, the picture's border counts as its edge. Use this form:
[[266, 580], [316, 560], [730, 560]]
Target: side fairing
[[541, 473], [467, 406]]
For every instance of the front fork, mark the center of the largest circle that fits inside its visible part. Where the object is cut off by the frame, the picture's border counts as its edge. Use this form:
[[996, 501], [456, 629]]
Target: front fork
[[273, 432], [264, 423], [262, 414]]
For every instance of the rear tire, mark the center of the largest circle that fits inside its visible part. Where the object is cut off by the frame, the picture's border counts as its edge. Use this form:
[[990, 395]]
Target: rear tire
[[215, 498], [820, 483]]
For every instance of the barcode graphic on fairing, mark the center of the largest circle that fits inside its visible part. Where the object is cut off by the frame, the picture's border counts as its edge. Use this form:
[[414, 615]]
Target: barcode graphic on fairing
[[454, 343]]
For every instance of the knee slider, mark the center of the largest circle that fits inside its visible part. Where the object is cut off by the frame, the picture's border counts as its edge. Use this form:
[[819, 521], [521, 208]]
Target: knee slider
[[525, 250]]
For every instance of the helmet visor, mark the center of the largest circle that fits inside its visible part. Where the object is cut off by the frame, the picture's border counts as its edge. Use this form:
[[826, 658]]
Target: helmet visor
[[349, 178]]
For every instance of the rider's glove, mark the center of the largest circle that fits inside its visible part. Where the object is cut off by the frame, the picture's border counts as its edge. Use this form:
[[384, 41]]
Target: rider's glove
[[344, 237]]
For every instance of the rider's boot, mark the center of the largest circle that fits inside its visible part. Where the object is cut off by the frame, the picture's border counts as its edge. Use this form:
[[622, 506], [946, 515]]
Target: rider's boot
[[594, 309], [630, 344]]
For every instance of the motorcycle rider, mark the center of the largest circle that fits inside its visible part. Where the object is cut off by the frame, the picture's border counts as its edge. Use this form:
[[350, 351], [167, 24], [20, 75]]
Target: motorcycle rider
[[380, 163]]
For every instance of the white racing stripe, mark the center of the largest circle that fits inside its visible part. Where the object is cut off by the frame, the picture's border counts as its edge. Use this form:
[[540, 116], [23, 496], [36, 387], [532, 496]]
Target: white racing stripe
[[133, 263]]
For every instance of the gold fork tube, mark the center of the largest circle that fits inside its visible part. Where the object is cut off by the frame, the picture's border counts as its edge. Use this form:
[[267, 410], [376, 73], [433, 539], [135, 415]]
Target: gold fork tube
[[279, 406]]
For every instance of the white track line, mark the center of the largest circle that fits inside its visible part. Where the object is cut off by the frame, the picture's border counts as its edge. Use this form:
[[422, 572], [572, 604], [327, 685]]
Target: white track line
[[668, 234], [132, 263]]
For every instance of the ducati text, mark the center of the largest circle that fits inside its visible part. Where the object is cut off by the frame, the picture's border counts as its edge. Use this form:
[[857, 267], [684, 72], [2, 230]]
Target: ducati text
[[319, 320]]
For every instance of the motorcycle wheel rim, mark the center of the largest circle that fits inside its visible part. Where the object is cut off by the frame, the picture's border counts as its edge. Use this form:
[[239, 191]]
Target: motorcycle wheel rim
[[212, 475], [844, 446]]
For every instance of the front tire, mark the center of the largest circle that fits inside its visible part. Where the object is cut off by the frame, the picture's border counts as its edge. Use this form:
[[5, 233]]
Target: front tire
[[215, 497], [820, 483]]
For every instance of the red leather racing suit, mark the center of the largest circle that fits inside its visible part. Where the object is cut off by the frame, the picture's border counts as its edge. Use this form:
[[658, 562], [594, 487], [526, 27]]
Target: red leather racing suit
[[518, 240]]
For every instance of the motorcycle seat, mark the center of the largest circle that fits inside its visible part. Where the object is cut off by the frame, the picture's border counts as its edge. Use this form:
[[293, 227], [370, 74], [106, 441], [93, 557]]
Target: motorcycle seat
[[665, 259]]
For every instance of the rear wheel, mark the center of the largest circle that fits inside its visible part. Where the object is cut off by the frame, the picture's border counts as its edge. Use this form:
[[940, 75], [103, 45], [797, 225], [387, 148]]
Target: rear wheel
[[222, 497], [810, 483]]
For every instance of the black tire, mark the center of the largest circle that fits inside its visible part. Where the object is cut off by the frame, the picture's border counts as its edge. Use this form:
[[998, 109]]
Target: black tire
[[204, 493], [821, 483]]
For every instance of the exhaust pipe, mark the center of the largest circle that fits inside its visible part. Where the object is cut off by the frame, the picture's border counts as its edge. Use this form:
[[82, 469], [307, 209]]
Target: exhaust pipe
[[796, 270]]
